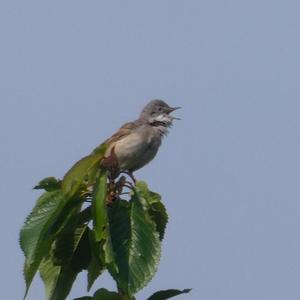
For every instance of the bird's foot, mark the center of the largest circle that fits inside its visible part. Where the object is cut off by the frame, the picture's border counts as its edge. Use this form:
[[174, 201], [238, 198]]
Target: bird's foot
[[121, 183], [130, 175]]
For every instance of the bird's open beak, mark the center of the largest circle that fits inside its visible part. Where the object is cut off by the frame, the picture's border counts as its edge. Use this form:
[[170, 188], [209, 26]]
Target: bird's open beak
[[171, 109]]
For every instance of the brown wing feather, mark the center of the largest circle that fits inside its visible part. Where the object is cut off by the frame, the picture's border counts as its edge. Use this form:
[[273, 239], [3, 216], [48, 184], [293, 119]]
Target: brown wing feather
[[125, 130]]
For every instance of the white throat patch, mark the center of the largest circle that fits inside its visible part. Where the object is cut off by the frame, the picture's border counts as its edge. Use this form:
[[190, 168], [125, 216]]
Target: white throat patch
[[167, 119]]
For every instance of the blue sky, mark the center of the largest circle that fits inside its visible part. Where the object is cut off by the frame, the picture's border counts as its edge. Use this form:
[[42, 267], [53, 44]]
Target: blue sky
[[72, 72]]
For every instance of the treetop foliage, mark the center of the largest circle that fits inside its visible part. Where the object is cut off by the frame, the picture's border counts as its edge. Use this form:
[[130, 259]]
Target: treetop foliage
[[92, 221]]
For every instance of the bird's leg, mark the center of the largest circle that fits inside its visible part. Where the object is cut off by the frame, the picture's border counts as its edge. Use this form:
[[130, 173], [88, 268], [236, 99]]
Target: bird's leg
[[125, 193], [111, 164], [129, 185], [120, 184], [130, 175]]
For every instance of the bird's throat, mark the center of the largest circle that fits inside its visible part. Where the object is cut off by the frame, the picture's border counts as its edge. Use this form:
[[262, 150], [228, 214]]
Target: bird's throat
[[161, 123]]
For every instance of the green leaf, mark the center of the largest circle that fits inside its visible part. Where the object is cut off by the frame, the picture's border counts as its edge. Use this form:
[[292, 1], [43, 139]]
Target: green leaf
[[58, 280], [159, 215], [67, 241], [84, 171], [49, 273], [99, 207], [37, 234], [156, 208], [109, 256], [85, 215], [49, 184], [61, 251], [143, 190], [163, 295], [96, 265], [72, 252], [72, 247], [82, 256], [135, 244], [104, 294]]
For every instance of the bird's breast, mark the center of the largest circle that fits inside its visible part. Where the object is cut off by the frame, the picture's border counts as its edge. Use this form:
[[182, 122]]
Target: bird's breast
[[136, 149]]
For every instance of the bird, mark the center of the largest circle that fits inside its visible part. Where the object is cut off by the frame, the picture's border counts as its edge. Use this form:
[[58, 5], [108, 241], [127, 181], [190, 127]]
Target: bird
[[136, 143]]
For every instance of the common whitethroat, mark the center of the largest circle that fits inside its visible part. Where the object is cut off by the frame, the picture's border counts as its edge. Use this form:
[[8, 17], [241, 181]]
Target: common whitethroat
[[136, 143]]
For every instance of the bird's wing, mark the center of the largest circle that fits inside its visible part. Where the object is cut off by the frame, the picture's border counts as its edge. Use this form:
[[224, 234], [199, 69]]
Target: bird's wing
[[124, 131]]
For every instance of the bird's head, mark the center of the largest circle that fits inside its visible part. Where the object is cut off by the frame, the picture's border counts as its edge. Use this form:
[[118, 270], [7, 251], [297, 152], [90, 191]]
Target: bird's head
[[158, 112]]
